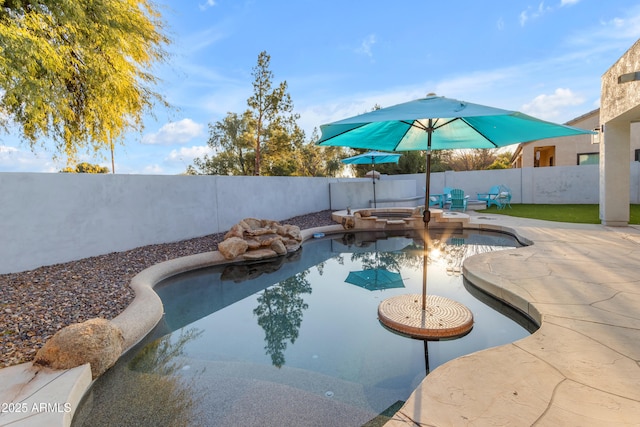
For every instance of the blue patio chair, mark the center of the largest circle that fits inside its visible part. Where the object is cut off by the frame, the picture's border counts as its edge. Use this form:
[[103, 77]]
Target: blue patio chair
[[491, 196], [446, 194], [435, 199], [458, 200], [504, 197]]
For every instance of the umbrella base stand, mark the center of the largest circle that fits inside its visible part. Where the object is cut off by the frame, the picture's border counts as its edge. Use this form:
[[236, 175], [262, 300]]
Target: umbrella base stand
[[442, 318]]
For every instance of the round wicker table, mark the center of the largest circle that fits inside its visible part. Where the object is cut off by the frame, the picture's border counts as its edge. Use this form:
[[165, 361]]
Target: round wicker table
[[442, 317]]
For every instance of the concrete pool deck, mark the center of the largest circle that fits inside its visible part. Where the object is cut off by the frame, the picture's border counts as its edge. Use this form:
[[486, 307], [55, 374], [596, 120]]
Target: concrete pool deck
[[581, 282]]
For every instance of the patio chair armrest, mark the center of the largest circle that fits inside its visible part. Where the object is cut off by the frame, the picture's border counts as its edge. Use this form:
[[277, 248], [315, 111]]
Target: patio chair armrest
[[487, 196]]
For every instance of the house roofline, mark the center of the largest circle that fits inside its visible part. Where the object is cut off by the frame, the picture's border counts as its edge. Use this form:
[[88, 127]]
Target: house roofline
[[582, 117]]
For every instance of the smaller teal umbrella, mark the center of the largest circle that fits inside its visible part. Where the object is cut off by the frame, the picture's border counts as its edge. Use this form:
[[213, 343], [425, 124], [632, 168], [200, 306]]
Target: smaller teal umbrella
[[372, 158], [375, 279]]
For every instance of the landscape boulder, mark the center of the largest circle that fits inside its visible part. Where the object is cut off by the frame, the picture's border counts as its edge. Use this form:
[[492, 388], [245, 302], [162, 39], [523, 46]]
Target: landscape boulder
[[254, 239], [96, 341], [233, 247]]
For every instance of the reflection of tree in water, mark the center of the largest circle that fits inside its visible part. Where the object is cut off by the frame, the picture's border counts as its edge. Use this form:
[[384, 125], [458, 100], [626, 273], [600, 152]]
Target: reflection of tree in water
[[148, 390], [279, 313], [159, 356]]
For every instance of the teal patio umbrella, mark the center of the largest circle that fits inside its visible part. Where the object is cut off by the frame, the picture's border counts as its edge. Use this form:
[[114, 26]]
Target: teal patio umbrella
[[372, 158], [438, 123]]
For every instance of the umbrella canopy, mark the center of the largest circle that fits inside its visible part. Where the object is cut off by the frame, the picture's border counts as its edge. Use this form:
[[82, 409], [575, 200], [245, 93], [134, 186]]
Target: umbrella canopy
[[375, 279], [439, 123], [372, 158]]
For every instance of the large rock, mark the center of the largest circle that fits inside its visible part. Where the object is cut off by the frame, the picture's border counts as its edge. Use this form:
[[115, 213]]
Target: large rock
[[96, 341], [256, 239], [235, 231], [267, 239], [233, 247], [279, 247]]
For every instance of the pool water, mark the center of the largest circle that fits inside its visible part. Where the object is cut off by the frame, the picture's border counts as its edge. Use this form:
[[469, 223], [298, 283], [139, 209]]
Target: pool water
[[293, 342]]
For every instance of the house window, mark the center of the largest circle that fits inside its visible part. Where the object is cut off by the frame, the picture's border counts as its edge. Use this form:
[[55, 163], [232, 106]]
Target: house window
[[588, 158], [637, 155]]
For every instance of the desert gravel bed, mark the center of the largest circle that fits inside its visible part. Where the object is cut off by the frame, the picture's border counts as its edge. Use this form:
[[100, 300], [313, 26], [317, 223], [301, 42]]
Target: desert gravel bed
[[35, 304]]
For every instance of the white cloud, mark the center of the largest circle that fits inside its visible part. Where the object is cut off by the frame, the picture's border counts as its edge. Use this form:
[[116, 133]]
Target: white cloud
[[523, 18], [175, 133], [207, 4], [623, 28], [367, 45], [568, 2], [153, 170], [185, 155], [13, 159], [531, 13], [549, 107], [192, 44]]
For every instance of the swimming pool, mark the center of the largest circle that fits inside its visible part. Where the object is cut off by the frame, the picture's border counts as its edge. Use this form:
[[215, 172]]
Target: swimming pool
[[295, 341]]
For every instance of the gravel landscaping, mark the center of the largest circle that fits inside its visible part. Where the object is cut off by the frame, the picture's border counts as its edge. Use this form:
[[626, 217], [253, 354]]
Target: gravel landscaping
[[35, 304]]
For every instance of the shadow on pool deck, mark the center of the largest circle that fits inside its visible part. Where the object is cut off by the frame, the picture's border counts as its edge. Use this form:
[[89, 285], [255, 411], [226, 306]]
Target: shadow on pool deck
[[581, 282]]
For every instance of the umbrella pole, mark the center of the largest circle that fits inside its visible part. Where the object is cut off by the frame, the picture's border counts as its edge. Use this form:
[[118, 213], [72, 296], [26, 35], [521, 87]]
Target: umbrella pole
[[426, 217], [373, 180]]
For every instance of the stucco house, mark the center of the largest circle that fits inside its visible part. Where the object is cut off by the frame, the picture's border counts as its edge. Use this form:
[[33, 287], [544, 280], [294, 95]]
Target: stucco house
[[570, 151]]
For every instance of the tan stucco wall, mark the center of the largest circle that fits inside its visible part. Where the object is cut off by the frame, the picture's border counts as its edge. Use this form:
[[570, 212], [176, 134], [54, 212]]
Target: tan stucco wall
[[619, 107], [621, 101], [566, 148]]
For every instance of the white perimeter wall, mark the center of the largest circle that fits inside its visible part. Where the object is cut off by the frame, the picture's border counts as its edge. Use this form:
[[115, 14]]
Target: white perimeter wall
[[550, 185], [51, 218]]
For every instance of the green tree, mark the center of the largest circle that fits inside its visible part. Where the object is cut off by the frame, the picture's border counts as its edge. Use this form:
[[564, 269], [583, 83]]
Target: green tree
[[272, 109], [471, 159], [284, 139], [314, 160], [265, 139], [76, 72], [231, 140], [85, 167], [502, 161]]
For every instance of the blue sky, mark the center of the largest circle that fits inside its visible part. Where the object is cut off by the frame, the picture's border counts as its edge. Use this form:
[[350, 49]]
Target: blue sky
[[340, 58]]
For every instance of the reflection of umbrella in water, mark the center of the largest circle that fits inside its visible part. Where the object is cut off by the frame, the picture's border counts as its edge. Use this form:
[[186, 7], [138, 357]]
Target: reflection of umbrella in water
[[375, 279], [372, 158], [437, 123]]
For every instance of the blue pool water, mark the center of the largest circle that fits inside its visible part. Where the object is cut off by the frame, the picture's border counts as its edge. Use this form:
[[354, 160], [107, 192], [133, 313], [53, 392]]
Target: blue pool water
[[293, 342]]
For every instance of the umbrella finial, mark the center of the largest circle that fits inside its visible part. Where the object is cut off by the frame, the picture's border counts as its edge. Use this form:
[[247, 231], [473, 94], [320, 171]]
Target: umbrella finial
[[431, 94]]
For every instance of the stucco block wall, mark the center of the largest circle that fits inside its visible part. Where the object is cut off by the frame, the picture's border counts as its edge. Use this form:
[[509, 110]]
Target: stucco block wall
[[358, 193], [52, 218]]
